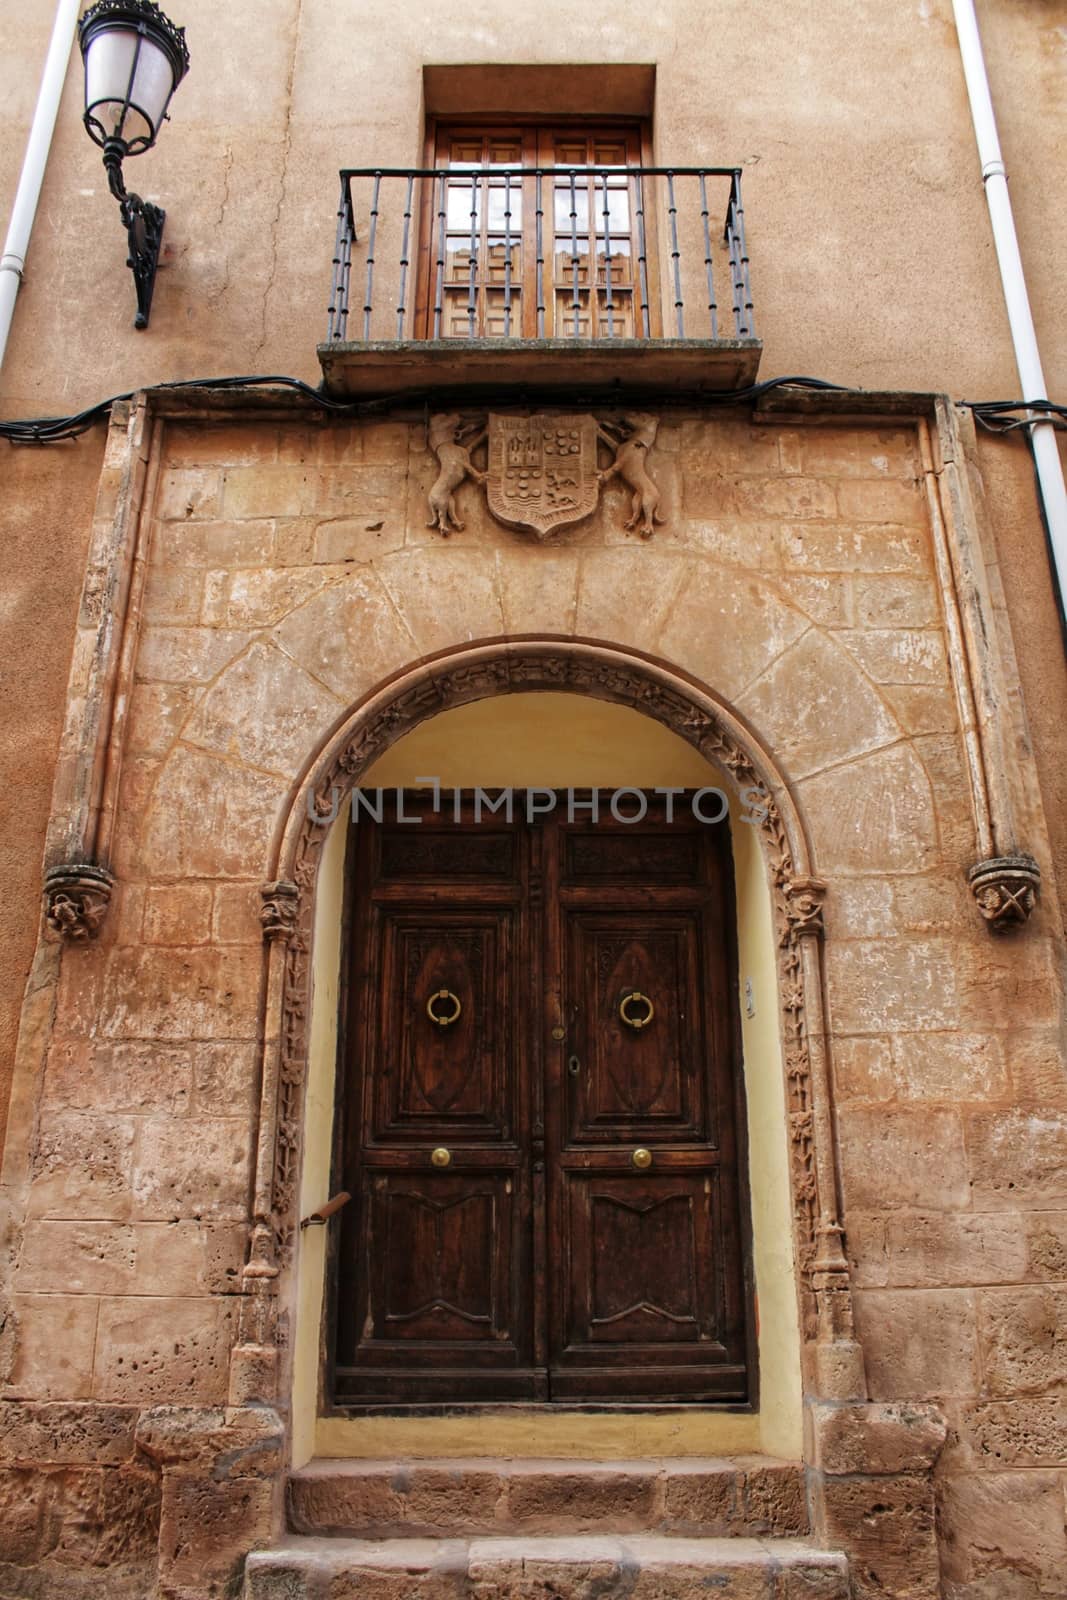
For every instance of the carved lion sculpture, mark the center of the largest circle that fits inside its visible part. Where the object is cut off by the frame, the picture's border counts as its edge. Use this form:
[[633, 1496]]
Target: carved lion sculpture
[[453, 457], [629, 465]]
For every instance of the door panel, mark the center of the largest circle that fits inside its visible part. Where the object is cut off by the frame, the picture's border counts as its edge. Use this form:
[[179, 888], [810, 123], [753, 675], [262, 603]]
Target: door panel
[[634, 1083], [581, 1010], [434, 1293], [434, 1079]]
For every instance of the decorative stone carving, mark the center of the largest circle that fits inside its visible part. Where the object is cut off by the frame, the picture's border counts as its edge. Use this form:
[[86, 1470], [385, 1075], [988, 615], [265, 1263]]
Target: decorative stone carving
[[542, 471], [76, 900], [453, 452], [1005, 889], [797, 900], [631, 453], [280, 904], [804, 903]]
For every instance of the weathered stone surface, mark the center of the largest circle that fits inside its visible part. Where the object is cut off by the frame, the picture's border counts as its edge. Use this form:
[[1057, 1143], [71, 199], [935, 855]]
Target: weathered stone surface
[[52, 1337], [64, 1433], [894, 985], [1004, 1535], [260, 711], [1017, 1158], [223, 1442], [918, 1344], [196, 1168], [208, 818], [875, 1440], [351, 635], [206, 1527], [927, 1250], [729, 626], [81, 1167], [561, 1502], [1023, 1339], [909, 1158], [538, 589], [1016, 1433], [182, 994], [887, 1525], [702, 1497], [580, 1567], [158, 1349], [882, 817]]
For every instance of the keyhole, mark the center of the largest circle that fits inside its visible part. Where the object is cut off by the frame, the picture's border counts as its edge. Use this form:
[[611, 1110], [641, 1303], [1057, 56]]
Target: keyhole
[[573, 1066]]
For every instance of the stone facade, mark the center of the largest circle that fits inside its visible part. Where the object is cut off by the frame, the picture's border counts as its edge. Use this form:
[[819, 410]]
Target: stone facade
[[252, 583], [223, 608]]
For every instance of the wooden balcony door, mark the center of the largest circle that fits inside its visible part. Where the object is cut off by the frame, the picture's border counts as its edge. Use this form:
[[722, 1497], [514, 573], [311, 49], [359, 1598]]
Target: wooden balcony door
[[479, 262], [540, 1113]]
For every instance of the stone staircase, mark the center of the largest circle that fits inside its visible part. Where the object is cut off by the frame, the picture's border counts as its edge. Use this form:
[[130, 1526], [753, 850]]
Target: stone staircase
[[669, 1529]]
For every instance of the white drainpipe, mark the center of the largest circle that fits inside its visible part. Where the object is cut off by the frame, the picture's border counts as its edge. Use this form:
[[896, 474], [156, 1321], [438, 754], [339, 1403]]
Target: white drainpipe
[[1027, 356], [34, 163]]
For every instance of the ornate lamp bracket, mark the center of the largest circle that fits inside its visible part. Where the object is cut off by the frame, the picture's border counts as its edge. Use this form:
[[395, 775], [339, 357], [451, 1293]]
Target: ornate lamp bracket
[[1005, 889], [76, 899]]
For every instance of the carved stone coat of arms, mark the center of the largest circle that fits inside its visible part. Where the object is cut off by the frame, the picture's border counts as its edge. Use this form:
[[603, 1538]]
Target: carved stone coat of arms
[[542, 471]]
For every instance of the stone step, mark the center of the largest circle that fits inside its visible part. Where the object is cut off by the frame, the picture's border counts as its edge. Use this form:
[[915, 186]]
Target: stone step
[[707, 1497], [590, 1567]]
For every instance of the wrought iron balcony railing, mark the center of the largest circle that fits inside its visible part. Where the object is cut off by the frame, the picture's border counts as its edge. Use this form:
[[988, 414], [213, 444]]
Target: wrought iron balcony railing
[[580, 254]]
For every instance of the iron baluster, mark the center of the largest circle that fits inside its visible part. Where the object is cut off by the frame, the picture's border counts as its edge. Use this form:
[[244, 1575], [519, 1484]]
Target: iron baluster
[[607, 260], [368, 295], [539, 214], [338, 309], [749, 329], [439, 288], [472, 262], [575, 302], [404, 256], [672, 211], [712, 308], [735, 264], [642, 256], [507, 254]]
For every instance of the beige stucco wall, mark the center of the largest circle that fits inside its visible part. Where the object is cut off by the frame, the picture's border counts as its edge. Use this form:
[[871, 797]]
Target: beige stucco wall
[[872, 261]]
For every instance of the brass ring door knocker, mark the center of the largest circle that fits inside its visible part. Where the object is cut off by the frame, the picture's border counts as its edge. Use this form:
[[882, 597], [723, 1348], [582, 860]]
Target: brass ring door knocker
[[636, 1010], [444, 1007]]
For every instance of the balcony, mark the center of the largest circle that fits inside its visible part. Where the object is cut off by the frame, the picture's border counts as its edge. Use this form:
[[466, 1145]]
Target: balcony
[[605, 279]]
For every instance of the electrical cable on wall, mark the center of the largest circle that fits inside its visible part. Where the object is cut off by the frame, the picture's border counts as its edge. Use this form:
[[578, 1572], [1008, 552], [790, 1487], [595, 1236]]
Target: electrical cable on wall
[[996, 416]]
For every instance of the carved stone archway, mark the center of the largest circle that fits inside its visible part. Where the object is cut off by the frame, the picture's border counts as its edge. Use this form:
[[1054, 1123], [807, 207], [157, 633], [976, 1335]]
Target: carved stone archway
[[833, 1360]]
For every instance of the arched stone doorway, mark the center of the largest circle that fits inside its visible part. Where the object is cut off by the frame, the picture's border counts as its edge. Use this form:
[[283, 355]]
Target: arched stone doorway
[[721, 745]]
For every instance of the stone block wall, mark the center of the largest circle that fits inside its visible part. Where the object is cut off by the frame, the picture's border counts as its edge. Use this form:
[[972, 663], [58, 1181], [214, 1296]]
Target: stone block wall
[[290, 571]]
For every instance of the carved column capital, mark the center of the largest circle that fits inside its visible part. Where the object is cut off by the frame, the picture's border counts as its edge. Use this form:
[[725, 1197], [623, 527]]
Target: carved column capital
[[76, 899], [804, 907], [1005, 889], [280, 904]]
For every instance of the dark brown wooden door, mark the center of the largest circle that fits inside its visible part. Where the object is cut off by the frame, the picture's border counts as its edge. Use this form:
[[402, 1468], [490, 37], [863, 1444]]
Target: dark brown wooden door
[[540, 1112]]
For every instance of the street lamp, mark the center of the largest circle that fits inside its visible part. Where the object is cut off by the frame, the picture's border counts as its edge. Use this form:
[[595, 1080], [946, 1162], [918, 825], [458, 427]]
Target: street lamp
[[134, 58]]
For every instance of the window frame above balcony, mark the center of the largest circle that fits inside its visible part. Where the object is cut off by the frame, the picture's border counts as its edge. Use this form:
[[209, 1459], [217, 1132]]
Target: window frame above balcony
[[540, 296]]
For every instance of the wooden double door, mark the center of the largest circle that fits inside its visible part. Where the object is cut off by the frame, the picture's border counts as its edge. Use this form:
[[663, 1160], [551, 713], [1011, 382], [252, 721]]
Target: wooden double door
[[540, 1110]]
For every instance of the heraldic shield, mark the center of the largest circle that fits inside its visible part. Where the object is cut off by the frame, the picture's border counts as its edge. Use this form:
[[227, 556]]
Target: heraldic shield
[[542, 471]]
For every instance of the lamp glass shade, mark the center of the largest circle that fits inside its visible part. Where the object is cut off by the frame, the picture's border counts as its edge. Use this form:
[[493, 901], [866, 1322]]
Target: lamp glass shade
[[129, 80]]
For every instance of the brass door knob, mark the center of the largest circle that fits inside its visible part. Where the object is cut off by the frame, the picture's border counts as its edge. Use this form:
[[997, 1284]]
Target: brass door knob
[[441, 1157], [641, 1158]]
